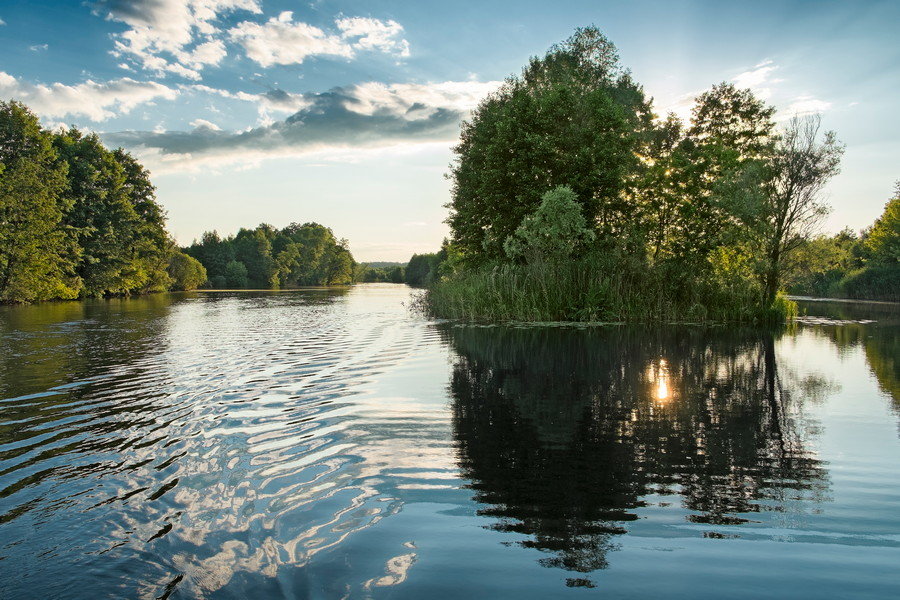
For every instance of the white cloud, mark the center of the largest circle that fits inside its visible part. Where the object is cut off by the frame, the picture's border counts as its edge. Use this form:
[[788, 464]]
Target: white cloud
[[759, 79], [38, 47], [413, 101], [374, 34], [204, 124], [93, 100], [805, 105], [172, 36], [281, 41], [2, 22]]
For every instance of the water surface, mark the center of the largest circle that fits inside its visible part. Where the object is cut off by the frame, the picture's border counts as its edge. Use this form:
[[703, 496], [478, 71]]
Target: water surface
[[329, 444]]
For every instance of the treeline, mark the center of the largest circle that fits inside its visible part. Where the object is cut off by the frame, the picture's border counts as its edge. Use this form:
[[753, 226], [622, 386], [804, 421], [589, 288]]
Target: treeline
[[421, 270], [76, 219], [846, 265], [79, 220], [380, 272], [270, 258], [572, 200]]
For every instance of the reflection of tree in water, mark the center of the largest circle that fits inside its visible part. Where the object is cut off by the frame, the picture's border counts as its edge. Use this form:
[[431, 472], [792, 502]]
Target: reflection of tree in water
[[879, 339], [563, 432]]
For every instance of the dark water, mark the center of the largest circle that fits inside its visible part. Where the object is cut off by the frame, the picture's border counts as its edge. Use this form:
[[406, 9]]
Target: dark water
[[328, 444]]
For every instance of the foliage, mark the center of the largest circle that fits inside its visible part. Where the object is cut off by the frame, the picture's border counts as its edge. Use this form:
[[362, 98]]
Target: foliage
[[388, 273], [37, 254], [883, 240], [800, 166], [847, 265], [118, 225], [552, 232], [597, 287], [186, 271], [704, 220], [574, 118], [236, 275], [266, 257], [422, 269], [77, 218]]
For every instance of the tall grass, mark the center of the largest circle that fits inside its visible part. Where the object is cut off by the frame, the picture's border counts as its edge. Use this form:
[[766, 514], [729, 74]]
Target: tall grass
[[602, 288]]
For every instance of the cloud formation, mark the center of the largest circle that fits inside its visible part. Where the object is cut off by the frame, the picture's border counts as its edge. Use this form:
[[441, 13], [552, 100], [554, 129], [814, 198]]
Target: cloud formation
[[364, 116], [283, 41], [373, 34], [91, 99], [171, 36]]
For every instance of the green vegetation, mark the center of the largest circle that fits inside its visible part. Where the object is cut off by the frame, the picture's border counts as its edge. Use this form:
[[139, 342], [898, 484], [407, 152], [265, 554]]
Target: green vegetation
[[80, 220], [76, 219], [573, 201], [186, 271], [266, 257], [850, 266], [384, 272]]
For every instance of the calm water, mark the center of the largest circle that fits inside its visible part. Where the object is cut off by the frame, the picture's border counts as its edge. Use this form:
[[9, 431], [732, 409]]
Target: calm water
[[328, 444]]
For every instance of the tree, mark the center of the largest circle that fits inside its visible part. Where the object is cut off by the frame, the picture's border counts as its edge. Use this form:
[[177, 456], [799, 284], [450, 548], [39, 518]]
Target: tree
[[573, 117], [108, 228], [215, 254], [801, 165], [254, 249], [883, 239], [421, 269], [236, 275], [185, 271], [710, 177], [36, 250], [150, 244], [553, 232]]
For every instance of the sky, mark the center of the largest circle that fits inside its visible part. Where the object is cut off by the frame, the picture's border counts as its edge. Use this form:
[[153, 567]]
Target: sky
[[345, 113]]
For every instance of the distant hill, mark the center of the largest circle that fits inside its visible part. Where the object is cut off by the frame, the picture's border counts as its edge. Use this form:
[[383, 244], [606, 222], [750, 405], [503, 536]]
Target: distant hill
[[382, 265]]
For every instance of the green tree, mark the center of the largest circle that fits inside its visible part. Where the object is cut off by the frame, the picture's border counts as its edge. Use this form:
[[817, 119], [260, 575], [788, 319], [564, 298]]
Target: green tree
[[185, 271], [236, 275], [421, 269], [214, 253], [715, 172], [573, 117], [118, 225], [801, 165], [150, 244], [552, 232], [883, 240], [36, 250], [254, 249]]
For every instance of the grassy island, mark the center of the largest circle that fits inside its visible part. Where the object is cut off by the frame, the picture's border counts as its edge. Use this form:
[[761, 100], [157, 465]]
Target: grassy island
[[573, 201]]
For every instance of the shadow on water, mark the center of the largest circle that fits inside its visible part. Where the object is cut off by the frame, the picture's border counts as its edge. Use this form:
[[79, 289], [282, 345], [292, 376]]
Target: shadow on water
[[565, 433]]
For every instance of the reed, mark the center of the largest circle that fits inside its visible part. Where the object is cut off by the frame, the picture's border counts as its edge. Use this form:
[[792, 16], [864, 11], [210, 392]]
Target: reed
[[601, 288]]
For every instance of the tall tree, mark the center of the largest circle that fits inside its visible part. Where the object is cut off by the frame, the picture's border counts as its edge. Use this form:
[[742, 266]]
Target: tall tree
[[802, 163], [573, 117], [36, 251]]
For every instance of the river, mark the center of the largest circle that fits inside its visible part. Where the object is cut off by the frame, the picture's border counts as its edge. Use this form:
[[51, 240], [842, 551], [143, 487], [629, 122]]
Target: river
[[334, 444]]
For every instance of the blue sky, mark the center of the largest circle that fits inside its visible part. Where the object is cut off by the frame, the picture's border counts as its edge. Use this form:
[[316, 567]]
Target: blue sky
[[250, 111]]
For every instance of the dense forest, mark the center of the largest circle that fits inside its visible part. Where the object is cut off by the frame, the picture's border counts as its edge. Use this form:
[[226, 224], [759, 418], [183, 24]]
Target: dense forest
[[572, 200], [80, 220], [266, 257], [77, 219]]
